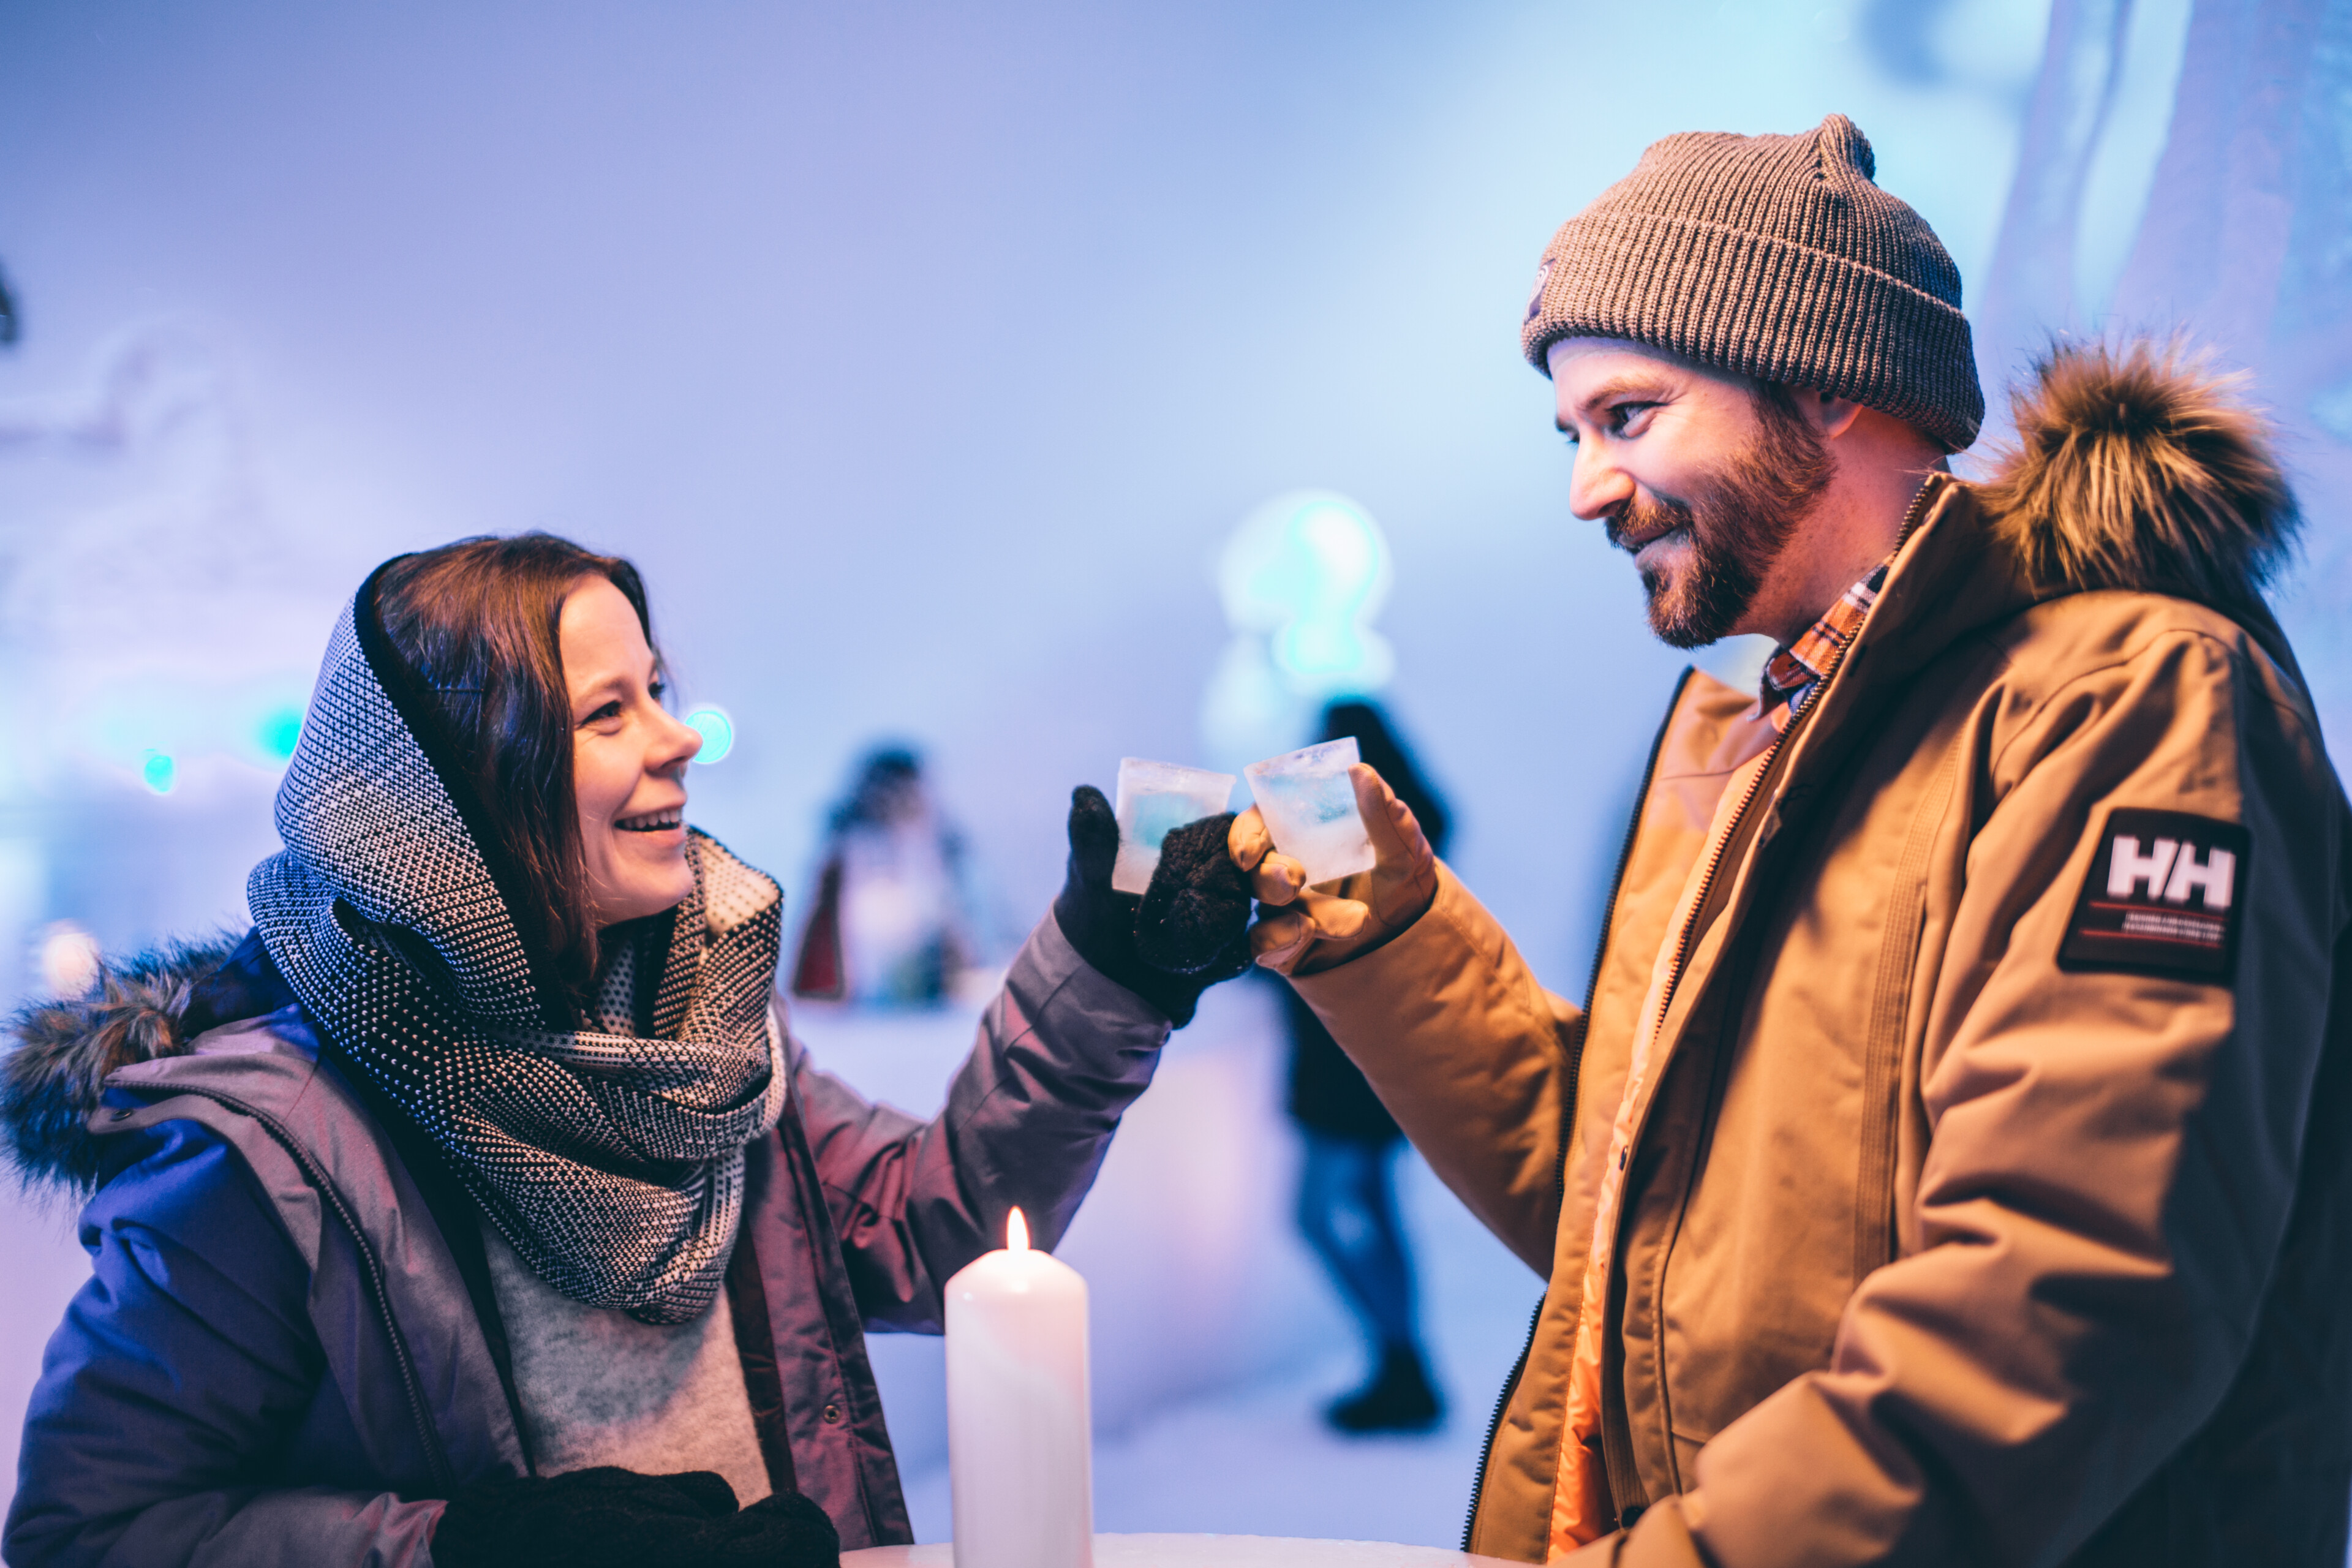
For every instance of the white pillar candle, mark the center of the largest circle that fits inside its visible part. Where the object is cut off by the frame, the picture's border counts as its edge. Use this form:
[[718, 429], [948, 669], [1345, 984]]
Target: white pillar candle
[[1020, 1434]]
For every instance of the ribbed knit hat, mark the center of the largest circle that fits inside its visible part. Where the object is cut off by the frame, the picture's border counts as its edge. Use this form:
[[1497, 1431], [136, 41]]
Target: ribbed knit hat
[[1773, 257]]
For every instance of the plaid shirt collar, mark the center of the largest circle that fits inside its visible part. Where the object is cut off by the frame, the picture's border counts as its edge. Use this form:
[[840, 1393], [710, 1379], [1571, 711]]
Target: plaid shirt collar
[[1794, 675]]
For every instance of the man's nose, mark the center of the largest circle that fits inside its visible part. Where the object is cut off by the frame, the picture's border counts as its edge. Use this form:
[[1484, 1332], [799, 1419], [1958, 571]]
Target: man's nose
[[1598, 485]]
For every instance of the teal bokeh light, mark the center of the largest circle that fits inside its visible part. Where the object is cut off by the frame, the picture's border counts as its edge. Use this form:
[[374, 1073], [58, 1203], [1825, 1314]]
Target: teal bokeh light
[[1307, 571], [158, 772], [718, 732], [1302, 578], [279, 728]]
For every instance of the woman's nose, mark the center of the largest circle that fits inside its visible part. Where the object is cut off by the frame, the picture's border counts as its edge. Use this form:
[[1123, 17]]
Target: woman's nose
[[674, 744]]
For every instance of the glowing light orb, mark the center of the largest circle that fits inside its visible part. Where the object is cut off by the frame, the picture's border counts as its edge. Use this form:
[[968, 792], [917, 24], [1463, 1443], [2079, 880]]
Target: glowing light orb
[[279, 728], [1302, 579], [1308, 571], [159, 772], [70, 959], [718, 732]]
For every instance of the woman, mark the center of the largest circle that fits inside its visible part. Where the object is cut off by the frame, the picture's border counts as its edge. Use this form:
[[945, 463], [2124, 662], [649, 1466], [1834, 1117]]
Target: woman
[[476, 1207]]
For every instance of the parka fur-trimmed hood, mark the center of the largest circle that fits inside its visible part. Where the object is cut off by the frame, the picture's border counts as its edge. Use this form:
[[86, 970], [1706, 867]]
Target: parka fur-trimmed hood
[[60, 1053], [2136, 466]]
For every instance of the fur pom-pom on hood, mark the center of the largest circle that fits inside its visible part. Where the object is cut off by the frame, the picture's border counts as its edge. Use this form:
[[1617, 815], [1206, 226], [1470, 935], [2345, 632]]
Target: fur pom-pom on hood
[[59, 1054], [2139, 467]]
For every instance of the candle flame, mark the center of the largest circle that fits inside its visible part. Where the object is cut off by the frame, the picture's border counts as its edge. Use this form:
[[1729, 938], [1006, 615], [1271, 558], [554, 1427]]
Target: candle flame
[[1016, 1233]]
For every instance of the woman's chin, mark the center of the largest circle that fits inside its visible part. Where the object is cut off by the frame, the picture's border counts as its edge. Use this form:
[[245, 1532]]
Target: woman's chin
[[645, 883]]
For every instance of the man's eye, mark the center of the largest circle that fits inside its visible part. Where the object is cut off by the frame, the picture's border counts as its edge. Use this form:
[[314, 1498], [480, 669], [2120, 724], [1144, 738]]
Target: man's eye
[[1621, 415]]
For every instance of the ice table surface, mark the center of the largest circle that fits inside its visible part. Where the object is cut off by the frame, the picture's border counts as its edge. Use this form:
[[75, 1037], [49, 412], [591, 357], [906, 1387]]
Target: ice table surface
[[1207, 1551]]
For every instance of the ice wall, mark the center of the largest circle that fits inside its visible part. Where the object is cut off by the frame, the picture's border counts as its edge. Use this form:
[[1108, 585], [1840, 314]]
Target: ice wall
[[922, 354], [2188, 170]]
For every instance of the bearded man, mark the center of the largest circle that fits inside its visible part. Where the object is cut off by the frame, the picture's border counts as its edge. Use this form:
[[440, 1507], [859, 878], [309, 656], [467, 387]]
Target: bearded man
[[1945, 1163]]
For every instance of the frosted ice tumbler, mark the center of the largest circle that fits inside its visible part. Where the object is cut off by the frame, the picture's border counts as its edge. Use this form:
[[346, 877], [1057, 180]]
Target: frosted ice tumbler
[[1154, 800], [1310, 809]]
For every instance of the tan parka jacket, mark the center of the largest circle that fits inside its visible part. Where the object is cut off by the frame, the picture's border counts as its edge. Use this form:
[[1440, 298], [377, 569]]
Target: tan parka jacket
[[1985, 1204]]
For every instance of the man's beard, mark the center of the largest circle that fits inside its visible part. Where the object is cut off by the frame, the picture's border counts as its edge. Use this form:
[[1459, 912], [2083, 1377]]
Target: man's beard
[[1740, 519]]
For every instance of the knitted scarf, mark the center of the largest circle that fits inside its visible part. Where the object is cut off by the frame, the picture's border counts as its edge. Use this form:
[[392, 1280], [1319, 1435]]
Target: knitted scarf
[[612, 1162]]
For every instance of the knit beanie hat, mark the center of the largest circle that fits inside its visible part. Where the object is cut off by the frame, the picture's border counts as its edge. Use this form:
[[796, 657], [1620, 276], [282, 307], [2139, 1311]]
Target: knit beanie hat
[[1771, 256]]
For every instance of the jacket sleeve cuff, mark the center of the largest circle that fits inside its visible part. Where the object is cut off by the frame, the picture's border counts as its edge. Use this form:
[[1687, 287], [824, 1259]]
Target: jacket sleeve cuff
[[1050, 980], [1447, 934]]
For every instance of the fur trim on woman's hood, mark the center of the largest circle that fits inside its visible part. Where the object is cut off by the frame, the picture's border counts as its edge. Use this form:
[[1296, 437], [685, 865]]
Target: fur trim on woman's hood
[[52, 1075], [2139, 467]]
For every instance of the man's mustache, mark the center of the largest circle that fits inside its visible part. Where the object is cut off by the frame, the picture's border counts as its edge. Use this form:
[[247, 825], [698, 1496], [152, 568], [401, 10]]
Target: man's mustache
[[1634, 519]]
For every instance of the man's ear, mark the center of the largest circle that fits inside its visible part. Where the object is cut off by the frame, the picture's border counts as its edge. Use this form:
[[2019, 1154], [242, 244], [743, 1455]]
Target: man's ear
[[1831, 415]]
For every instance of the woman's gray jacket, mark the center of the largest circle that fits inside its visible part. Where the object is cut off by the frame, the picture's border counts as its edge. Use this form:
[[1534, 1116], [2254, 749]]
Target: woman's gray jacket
[[280, 1357]]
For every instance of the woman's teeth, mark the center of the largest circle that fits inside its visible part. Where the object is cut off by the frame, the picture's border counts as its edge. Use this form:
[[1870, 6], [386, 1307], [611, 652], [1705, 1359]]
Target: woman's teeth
[[652, 822]]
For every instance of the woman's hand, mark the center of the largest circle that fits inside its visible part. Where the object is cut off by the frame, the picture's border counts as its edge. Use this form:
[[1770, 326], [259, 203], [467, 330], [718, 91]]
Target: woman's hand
[[610, 1515], [1303, 931], [1187, 932]]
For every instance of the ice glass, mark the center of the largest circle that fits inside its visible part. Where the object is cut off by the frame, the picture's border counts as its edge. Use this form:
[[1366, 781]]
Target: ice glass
[[1310, 809], [1154, 800]]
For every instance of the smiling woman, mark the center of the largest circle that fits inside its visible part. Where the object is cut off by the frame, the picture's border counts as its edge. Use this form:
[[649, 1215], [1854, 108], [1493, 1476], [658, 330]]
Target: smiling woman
[[479, 1207]]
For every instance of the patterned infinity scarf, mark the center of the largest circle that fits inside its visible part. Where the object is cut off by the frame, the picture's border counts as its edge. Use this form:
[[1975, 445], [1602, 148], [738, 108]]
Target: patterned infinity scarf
[[612, 1162]]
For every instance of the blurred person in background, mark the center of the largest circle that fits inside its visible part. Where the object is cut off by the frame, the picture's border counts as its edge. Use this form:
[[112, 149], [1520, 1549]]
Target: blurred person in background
[[893, 922], [1947, 1164], [1347, 1181], [476, 1207]]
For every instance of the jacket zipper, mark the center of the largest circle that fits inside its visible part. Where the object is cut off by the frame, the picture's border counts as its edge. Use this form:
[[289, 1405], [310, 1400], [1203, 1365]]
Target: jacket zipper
[[435, 1457], [1494, 1424], [1911, 520], [1772, 754], [1575, 1072], [1715, 862]]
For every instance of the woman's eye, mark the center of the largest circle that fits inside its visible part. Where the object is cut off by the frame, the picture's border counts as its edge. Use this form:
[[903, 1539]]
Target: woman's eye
[[658, 689], [606, 714]]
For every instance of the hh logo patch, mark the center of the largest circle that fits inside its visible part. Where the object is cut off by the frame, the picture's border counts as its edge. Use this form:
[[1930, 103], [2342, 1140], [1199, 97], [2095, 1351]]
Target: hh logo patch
[[2162, 898]]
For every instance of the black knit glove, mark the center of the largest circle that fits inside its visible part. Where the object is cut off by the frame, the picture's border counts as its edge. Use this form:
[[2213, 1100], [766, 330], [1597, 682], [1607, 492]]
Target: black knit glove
[[1189, 931], [609, 1518]]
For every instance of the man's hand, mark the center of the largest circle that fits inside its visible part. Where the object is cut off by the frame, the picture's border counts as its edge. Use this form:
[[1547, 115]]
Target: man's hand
[[1303, 930]]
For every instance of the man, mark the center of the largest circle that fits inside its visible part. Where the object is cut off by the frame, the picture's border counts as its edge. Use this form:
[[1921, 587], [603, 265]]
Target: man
[[1945, 1163]]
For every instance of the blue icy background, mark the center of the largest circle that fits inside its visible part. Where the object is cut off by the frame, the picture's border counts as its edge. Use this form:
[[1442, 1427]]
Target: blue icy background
[[923, 354]]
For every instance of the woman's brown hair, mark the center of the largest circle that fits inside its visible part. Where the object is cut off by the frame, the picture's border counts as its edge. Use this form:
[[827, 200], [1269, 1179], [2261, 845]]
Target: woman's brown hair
[[478, 626]]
